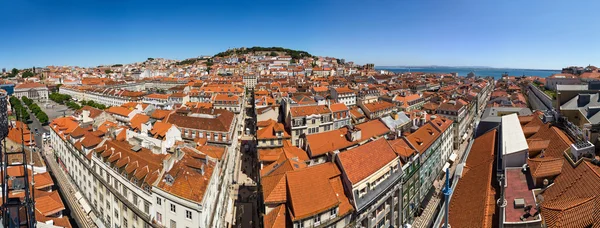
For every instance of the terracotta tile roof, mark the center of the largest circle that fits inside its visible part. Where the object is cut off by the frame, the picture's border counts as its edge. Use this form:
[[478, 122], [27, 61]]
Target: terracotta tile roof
[[401, 147], [119, 111], [441, 123], [144, 165], [424, 137], [90, 140], [578, 212], [50, 204], [129, 105], [303, 99], [43, 180], [106, 125], [270, 130], [286, 162], [158, 96], [160, 129], [328, 141], [94, 112], [559, 142], [276, 218], [536, 146], [545, 167], [309, 110], [18, 132], [310, 190], [30, 85], [319, 89], [338, 107], [191, 178], [473, 203], [221, 123], [447, 106], [226, 97], [341, 90], [364, 160], [178, 95], [160, 114], [274, 188], [216, 152], [378, 106], [137, 121], [356, 114], [271, 155]]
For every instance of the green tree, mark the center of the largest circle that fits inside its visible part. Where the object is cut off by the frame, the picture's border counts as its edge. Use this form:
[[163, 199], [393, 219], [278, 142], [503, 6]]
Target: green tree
[[42, 117], [274, 54], [27, 74], [108, 71], [14, 72]]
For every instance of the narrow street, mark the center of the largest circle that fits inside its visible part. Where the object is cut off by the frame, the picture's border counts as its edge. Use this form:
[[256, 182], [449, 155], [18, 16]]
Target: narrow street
[[64, 185]]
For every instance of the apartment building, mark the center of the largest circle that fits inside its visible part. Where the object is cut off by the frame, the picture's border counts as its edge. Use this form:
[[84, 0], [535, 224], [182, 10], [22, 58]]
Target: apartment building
[[343, 95], [424, 157], [158, 100], [376, 109], [271, 134], [92, 116], [309, 120], [296, 195], [31, 90], [121, 114], [214, 125], [457, 112], [178, 98], [250, 81], [406, 102], [130, 183], [341, 115], [228, 102], [321, 147], [372, 174], [105, 96]]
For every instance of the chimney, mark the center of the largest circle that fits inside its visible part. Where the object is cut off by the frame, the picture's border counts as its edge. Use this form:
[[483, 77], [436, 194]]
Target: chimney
[[354, 134]]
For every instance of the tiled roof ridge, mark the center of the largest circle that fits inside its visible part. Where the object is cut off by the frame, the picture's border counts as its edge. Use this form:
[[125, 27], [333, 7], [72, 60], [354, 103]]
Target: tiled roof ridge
[[554, 206], [596, 171], [566, 188]]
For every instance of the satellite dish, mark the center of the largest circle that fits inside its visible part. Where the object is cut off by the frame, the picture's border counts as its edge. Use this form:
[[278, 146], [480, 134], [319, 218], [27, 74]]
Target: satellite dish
[[546, 182]]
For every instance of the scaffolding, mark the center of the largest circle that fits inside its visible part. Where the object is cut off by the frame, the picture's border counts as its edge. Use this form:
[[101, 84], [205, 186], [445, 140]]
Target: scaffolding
[[17, 196]]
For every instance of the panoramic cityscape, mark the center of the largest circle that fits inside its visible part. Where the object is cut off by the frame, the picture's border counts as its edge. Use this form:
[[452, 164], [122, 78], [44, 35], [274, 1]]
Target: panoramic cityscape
[[259, 120]]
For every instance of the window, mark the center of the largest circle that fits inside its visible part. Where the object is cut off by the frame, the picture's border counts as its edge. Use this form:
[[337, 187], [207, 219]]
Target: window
[[201, 134], [188, 214], [172, 207], [116, 213], [124, 222], [146, 207], [135, 199], [317, 220], [158, 217], [314, 121], [158, 201]]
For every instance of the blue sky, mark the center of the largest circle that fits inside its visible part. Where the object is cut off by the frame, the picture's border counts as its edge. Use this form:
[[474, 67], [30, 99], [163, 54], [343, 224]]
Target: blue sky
[[521, 34]]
